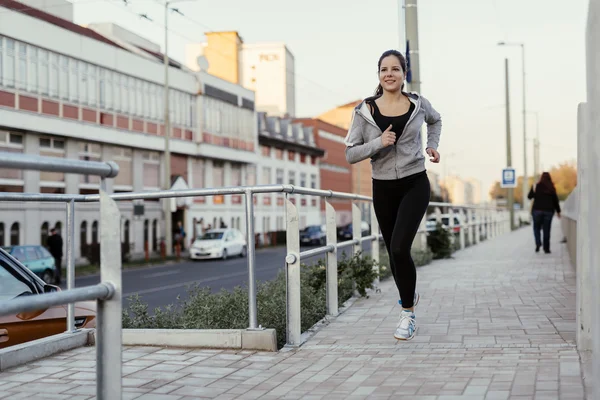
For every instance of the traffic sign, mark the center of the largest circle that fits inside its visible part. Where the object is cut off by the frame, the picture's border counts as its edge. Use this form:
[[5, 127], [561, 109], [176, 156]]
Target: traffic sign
[[509, 178]]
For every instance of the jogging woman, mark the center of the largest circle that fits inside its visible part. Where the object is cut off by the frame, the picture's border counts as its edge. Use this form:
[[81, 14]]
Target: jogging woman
[[387, 129]]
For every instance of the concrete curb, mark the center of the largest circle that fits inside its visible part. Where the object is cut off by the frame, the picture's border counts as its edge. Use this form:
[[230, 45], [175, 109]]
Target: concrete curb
[[26, 352], [238, 339]]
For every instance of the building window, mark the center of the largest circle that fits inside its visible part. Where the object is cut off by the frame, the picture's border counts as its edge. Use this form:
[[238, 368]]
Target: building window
[[292, 177], [313, 181], [279, 154], [91, 81], [13, 143], [218, 180], [236, 175], [198, 173], [265, 151], [54, 79], [279, 176], [109, 90], [52, 182], [83, 83], [151, 170], [302, 179], [266, 176], [14, 234], [73, 81], [250, 175], [22, 77], [9, 75], [44, 234], [32, 84], [58, 227], [44, 72], [124, 158], [89, 152], [64, 78]]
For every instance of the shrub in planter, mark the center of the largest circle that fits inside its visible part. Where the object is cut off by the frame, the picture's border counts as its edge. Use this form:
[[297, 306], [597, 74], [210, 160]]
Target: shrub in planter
[[204, 309], [439, 242]]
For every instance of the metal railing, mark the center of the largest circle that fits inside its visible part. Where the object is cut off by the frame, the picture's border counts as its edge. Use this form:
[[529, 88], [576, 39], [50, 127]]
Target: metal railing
[[487, 221]]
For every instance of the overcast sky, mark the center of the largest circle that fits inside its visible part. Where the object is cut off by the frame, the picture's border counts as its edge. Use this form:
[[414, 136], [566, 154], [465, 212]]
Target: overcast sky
[[336, 44]]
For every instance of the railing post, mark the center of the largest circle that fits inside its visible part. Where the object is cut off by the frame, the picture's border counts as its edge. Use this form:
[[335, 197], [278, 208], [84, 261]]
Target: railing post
[[375, 243], [470, 225], [478, 228], [109, 313], [251, 254], [70, 262], [496, 223], [491, 222], [451, 226], [585, 293], [463, 225], [332, 275], [356, 236], [292, 272], [423, 232]]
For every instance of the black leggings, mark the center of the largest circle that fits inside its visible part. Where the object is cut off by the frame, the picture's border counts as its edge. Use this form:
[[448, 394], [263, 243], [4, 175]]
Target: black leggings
[[399, 206]]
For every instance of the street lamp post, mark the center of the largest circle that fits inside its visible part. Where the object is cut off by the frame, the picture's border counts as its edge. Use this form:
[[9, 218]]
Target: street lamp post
[[525, 177], [167, 132]]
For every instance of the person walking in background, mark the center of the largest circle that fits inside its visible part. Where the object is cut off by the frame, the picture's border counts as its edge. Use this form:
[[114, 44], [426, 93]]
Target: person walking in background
[[545, 202], [387, 129], [55, 247]]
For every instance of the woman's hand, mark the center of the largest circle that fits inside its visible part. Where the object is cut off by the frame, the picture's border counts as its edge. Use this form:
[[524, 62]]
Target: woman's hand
[[388, 138], [435, 156]]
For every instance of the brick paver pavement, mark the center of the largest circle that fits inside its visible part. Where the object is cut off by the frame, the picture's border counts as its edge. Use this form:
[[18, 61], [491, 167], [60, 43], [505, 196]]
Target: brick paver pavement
[[496, 322]]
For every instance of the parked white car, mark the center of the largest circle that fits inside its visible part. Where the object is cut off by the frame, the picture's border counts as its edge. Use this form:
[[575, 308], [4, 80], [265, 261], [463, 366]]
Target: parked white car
[[219, 243]]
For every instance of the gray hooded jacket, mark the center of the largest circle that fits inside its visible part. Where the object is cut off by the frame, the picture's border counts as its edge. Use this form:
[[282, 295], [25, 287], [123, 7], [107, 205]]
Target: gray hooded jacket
[[396, 161]]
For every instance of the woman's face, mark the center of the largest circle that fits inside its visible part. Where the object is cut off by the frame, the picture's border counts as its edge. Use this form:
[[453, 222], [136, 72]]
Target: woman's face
[[391, 76]]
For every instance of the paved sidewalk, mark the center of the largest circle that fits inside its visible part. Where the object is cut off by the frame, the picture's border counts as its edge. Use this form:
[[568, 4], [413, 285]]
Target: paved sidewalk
[[496, 322]]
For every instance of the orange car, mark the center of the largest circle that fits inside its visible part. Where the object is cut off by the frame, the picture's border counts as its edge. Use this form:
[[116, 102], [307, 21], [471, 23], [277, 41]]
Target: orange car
[[16, 281]]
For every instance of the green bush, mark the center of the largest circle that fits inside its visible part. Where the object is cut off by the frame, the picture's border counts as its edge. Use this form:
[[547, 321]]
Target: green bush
[[439, 241], [229, 309]]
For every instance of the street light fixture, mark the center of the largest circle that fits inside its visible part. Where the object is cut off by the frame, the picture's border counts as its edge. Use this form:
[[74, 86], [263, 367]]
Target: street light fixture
[[167, 169], [525, 178]]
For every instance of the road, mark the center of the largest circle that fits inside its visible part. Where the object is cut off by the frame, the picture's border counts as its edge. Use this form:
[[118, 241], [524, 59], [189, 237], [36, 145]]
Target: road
[[159, 286]]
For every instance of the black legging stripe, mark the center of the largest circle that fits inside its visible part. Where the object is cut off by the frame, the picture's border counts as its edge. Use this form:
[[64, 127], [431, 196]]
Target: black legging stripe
[[399, 206]]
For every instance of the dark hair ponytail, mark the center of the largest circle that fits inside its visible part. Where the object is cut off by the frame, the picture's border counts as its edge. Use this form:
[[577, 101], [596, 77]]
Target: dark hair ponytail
[[401, 59]]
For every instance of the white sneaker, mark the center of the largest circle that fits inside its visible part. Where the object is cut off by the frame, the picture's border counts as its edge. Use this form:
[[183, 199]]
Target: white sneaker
[[407, 327], [415, 301]]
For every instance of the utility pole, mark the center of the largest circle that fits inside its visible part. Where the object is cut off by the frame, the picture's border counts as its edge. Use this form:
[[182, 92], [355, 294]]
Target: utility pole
[[536, 149], [167, 169], [525, 176], [401, 26], [511, 200], [167, 132], [412, 37]]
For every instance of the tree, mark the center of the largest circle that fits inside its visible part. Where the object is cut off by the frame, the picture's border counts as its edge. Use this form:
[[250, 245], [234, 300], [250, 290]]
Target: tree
[[564, 177]]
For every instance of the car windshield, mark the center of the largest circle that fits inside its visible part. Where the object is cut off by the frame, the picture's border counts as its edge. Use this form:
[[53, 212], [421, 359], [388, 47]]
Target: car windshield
[[211, 236], [312, 229], [10, 285]]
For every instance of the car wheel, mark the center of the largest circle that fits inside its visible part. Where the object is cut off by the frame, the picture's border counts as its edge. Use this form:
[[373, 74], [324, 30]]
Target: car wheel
[[244, 252], [224, 257], [48, 277]]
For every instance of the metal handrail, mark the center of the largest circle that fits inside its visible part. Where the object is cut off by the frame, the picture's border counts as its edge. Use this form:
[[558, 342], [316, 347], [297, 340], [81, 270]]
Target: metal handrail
[[101, 291], [102, 169], [109, 290]]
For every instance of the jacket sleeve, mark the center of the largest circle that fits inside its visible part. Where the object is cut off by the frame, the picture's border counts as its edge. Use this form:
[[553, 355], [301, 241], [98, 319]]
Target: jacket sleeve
[[434, 124], [531, 194], [556, 203], [356, 148]]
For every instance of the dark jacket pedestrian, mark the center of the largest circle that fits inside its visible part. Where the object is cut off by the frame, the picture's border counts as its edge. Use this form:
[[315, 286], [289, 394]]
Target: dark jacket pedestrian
[[545, 203], [55, 247]]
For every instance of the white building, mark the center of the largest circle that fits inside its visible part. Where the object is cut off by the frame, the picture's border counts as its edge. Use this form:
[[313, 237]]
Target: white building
[[69, 91], [265, 68], [288, 156]]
